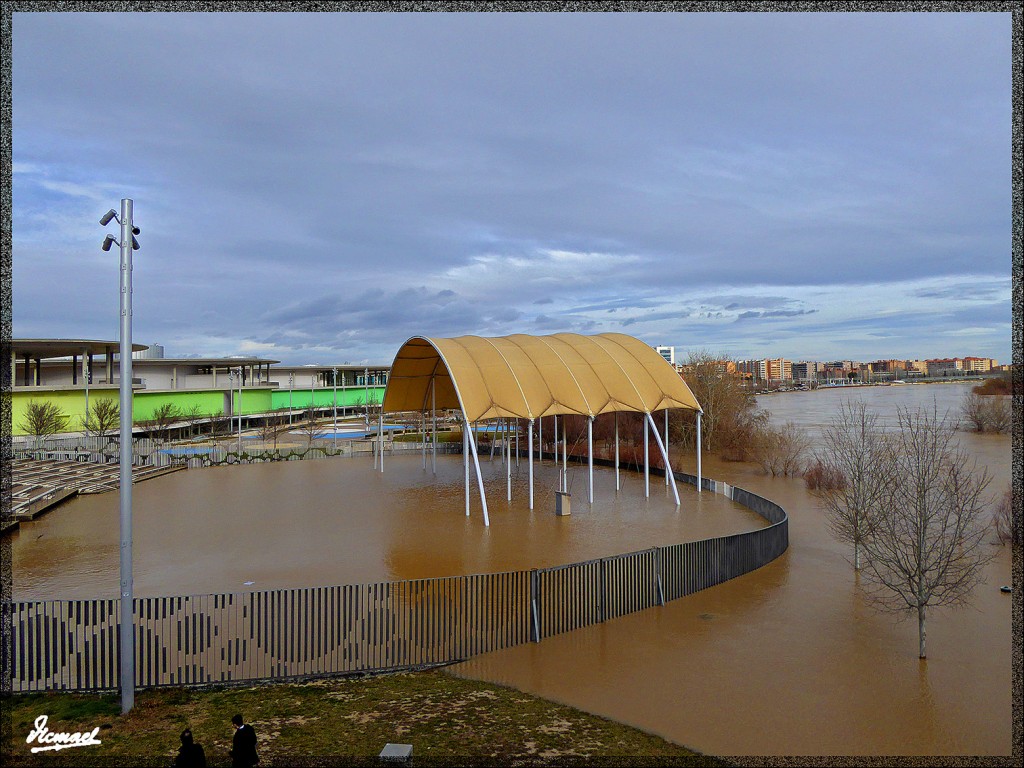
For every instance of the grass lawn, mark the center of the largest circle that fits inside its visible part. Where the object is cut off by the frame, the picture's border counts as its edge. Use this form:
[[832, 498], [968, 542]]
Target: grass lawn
[[343, 721]]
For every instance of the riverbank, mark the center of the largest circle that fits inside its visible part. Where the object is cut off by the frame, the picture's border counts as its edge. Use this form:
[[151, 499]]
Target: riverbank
[[446, 719]]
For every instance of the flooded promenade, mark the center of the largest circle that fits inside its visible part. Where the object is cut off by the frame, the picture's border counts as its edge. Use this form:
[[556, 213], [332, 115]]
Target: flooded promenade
[[790, 659], [787, 660]]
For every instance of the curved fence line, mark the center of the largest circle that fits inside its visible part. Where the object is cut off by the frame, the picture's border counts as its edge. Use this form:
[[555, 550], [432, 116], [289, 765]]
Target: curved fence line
[[318, 631]]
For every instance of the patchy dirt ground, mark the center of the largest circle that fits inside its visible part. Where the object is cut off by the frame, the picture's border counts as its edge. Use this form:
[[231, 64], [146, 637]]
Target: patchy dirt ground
[[446, 719]]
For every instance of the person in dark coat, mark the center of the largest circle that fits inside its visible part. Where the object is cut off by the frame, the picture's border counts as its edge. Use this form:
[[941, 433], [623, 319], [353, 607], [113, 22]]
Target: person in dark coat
[[190, 754], [243, 745]]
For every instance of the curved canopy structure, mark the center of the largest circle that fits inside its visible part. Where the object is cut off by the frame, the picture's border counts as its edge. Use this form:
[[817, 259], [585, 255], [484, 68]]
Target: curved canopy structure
[[529, 377]]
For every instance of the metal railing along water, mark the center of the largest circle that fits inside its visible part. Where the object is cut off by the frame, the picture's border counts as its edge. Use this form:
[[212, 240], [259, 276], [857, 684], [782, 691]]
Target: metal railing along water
[[321, 631]]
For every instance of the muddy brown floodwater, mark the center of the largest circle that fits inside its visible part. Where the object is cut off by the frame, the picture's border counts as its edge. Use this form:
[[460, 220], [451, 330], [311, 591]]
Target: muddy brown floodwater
[[787, 660], [790, 659]]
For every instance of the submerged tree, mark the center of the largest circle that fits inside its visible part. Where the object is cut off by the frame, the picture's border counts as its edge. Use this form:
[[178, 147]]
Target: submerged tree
[[853, 473], [924, 544], [730, 417]]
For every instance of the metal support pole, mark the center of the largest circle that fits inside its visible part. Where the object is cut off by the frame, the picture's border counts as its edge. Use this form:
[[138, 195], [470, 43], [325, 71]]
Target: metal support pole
[[698, 451], [508, 464], [647, 467], [531, 462], [555, 442], [540, 440], [433, 417], [127, 628], [380, 431], [465, 458], [423, 437], [590, 455], [664, 454], [616, 451], [565, 457], [516, 435], [335, 372], [291, 384]]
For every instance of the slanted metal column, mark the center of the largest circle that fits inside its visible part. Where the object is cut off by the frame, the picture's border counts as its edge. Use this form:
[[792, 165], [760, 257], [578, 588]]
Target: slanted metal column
[[668, 468], [381, 433], [647, 467], [531, 462], [479, 481], [664, 453], [465, 458]]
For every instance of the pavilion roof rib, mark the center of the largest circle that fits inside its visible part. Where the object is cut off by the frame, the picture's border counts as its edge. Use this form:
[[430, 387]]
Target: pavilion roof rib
[[525, 376]]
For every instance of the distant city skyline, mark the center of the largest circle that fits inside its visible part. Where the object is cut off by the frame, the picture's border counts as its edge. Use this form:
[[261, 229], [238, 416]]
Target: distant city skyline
[[317, 188]]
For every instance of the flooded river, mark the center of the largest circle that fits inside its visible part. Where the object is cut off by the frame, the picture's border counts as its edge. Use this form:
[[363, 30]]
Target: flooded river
[[337, 521], [788, 660]]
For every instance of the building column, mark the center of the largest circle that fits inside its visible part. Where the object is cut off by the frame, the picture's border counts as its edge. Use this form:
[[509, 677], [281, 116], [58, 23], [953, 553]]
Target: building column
[[74, 370]]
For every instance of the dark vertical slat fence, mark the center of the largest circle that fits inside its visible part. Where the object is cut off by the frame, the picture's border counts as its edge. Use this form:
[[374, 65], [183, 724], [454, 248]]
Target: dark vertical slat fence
[[73, 645]]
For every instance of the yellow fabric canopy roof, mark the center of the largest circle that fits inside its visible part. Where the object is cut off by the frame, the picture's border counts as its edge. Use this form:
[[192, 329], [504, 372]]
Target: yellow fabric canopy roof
[[528, 377]]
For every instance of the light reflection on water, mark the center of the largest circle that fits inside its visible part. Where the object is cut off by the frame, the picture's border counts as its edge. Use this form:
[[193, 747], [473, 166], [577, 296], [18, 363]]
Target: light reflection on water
[[312, 523]]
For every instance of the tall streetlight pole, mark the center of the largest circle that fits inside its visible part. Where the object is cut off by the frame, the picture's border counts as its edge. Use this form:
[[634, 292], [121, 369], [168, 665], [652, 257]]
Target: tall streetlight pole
[[128, 243], [239, 372]]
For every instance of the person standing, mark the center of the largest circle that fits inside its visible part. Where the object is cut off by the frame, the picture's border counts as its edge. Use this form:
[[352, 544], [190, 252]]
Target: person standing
[[243, 745], [190, 754]]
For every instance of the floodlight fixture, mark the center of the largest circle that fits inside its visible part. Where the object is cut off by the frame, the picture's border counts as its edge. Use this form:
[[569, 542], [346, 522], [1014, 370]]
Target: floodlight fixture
[[136, 231], [108, 241], [111, 214], [135, 243]]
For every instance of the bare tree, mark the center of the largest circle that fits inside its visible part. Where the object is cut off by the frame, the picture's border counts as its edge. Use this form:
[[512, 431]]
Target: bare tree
[[271, 427], [311, 428], [192, 416], [781, 450], [42, 420], [1007, 523], [104, 418], [163, 416], [987, 413], [730, 414], [925, 546], [853, 469]]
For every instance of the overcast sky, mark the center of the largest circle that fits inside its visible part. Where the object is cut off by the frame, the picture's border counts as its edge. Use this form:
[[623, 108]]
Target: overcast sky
[[317, 188]]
